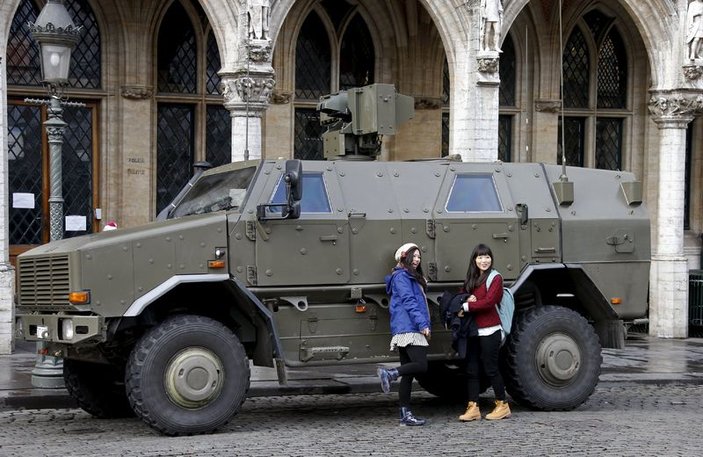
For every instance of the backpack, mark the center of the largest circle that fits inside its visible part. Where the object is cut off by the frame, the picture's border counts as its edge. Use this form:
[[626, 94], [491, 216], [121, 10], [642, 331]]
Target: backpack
[[506, 307]]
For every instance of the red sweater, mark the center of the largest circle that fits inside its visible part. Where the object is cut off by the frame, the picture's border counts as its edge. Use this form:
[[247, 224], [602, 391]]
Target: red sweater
[[484, 308]]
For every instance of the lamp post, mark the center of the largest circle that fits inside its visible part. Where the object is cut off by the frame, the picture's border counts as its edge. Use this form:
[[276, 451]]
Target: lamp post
[[57, 36]]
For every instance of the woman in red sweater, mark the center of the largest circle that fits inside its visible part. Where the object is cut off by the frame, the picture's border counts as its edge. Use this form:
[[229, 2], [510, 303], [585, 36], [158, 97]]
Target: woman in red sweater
[[483, 350]]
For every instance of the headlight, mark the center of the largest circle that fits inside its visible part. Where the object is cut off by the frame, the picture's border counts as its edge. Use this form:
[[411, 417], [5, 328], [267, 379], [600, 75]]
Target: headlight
[[66, 329]]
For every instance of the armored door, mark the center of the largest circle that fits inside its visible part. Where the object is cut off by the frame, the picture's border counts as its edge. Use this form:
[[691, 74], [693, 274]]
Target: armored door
[[474, 207], [313, 249]]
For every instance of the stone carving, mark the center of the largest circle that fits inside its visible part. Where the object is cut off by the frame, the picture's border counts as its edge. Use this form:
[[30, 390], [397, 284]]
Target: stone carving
[[491, 22], [487, 64], [137, 92], [675, 105], [547, 106], [280, 97], [248, 89], [259, 52], [692, 72], [258, 15], [694, 21]]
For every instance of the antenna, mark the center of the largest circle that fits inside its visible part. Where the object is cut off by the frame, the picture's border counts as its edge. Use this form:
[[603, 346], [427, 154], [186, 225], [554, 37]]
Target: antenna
[[563, 176], [563, 189], [246, 104]]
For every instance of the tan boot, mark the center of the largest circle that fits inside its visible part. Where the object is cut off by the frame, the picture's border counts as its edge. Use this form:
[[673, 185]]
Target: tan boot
[[472, 413], [501, 411]]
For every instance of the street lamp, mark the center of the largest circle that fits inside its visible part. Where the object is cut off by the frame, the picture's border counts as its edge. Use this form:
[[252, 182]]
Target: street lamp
[[57, 36]]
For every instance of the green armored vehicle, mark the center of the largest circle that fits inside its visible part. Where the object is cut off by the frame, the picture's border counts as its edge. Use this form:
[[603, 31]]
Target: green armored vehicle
[[281, 263]]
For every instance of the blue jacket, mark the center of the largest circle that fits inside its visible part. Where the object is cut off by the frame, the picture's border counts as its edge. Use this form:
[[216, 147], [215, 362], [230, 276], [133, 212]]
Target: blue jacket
[[409, 313]]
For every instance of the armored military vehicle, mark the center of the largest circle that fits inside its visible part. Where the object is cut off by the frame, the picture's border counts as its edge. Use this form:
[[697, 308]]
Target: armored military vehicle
[[281, 263]]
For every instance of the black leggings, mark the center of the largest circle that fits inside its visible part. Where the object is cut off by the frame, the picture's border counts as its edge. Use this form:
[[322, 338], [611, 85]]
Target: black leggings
[[413, 361], [483, 351]]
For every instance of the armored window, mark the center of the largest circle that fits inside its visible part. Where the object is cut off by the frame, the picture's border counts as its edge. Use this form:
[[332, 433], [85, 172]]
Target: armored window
[[315, 199], [473, 193], [216, 192]]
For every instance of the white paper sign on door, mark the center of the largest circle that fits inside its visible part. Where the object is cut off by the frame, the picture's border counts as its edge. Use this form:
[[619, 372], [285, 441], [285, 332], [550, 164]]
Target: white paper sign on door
[[75, 223], [23, 200]]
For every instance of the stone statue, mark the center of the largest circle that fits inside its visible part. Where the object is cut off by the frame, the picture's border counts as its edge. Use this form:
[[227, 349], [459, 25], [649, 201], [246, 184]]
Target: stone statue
[[694, 20], [491, 22], [258, 14]]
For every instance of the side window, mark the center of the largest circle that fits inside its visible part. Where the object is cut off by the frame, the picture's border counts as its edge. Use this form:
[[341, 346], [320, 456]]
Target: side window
[[315, 198], [473, 193]]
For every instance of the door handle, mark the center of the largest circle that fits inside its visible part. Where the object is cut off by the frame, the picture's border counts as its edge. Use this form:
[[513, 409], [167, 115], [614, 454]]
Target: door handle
[[332, 238], [500, 236], [545, 250]]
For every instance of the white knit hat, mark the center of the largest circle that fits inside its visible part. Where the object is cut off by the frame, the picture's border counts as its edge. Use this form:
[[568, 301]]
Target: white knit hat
[[403, 249]]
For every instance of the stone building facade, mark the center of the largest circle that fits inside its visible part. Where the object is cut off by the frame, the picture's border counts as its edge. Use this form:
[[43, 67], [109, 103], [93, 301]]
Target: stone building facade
[[168, 83]]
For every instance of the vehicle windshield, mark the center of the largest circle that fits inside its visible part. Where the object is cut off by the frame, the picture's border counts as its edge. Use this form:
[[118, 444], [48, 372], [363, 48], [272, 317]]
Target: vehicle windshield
[[215, 192]]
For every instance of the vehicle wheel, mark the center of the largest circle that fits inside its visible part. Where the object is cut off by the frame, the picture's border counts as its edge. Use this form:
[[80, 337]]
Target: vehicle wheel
[[188, 375], [445, 379], [97, 388], [553, 359]]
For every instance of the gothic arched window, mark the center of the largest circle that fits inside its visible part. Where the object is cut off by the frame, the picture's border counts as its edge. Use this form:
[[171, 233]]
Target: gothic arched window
[[192, 123], [353, 60], [595, 94]]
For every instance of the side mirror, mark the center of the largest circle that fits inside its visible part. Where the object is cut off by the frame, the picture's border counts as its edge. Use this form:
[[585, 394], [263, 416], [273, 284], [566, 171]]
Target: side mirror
[[290, 209], [293, 179]]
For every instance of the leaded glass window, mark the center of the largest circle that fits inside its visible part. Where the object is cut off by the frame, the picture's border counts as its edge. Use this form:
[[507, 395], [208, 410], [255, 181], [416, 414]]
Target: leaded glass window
[[576, 71], [312, 60], [612, 72], [506, 94], [445, 134], [356, 61], [77, 155], [24, 154], [177, 54], [574, 138], [85, 71], [608, 143], [213, 65], [595, 93], [23, 67], [445, 108], [189, 129], [308, 135], [219, 140], [505, 134], [174, 150]]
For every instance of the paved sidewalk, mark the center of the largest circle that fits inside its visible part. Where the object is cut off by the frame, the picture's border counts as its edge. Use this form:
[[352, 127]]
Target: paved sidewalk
[[644, 360]]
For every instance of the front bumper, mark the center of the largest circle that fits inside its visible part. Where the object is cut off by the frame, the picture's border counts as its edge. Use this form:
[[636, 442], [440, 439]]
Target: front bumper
[[59, 328]]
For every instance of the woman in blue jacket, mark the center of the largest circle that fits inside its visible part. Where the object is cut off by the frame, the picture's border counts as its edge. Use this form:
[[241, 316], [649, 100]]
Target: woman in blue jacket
[[410, 326]]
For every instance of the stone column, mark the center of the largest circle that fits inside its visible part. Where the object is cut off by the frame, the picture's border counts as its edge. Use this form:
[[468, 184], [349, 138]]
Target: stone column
[[247, 88], [7, 272], [668, 297]]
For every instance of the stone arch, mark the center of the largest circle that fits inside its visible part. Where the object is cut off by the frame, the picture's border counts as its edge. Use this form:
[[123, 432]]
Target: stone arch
[[655, 34], [224, 16]]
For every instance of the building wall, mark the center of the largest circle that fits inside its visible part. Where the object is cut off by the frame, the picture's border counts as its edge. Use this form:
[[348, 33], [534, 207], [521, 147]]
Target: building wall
[[412, 40]]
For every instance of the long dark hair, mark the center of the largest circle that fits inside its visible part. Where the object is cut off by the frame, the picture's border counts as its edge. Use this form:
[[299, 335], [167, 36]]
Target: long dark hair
[[406, 262], [474, 276]]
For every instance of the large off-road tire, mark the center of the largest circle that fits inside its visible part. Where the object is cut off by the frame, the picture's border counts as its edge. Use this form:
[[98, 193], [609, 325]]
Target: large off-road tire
[[189, 375], [446, 380], [552, 359], [97, 388]]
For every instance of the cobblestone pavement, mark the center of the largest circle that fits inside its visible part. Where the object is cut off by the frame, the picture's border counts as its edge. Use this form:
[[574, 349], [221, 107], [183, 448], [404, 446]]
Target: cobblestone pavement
[[620, 419]]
